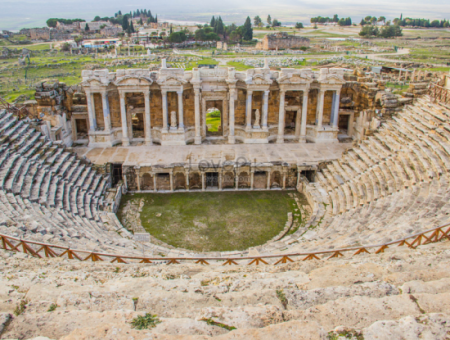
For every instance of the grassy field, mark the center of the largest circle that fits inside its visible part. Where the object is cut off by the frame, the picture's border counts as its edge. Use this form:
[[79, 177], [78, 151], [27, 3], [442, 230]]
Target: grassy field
[[215, 221]]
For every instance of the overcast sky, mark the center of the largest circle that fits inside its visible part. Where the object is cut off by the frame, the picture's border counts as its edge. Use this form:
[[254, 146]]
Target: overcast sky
[[15, 14]]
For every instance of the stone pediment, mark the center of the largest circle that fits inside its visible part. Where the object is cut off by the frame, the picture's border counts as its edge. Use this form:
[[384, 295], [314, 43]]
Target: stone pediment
[[96, 81], [133, 81], [295, 78], [171, 81]]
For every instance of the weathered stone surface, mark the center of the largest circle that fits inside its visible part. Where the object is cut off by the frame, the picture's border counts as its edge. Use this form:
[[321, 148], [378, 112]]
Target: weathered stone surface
[[428, 327]]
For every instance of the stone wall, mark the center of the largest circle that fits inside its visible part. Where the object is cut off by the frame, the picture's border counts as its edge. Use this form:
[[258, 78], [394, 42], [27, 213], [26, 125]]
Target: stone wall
[[283, 41]]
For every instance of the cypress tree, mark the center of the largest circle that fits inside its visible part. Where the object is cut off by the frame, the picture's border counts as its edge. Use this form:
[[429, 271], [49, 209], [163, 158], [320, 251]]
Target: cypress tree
[[213, 22], [248, 31]]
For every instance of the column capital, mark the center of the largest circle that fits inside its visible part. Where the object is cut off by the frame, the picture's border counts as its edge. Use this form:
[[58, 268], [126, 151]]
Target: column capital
[[282, 91], [180, 92], [164, 91], [146, 93], [266, 92], [249, 92], [122, 94]]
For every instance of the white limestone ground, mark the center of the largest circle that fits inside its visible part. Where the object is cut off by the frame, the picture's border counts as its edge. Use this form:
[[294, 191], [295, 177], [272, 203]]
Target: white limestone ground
[[402, 294]]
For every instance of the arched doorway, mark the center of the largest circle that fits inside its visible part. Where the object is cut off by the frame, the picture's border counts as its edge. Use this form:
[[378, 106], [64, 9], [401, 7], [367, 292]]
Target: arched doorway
[[214, 118]]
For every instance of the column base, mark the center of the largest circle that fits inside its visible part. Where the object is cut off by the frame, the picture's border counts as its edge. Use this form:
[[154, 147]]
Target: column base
[[149, 142], [198, 140], [265, 128], [302, 139], [125, 142], [280, 140], [231, 140]]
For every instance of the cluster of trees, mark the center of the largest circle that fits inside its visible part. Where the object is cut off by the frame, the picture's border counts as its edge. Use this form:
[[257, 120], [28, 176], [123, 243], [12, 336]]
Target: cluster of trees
[[387, 31], [217, 30], [370, 20], [52, 21], [421, 22], [323, 20], [345, 21]]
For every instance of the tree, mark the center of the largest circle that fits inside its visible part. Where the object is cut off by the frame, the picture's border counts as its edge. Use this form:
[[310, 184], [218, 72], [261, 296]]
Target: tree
[[171, 30], [276, 23], [125, 23], [269, 20], [86, 28], [391, 31], [65, 47], [132, 27], [141, 22], [97, 18], [362, 23], [78, 39], [369, 31], [335, 18], [374, 20], [177, 37], [299, 25], [368, 18], [248, 31], [213, 22], [219, 29], [382, 19], [257, 21], [120, 12], [52, 22]]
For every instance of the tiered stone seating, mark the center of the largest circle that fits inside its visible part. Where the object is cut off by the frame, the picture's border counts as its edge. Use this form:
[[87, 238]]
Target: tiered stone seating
[[391, 185], [47, 194], [401, 294]]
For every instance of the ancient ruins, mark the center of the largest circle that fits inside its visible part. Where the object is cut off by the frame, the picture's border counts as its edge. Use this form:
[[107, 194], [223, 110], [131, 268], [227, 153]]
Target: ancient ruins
[[356, 154]]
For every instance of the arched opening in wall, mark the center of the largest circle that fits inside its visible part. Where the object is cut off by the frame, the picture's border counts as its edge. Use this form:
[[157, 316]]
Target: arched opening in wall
[[309, 174], [293, 109], [327, 107], [212, 180], [244, 180], [228, 180], [146, 182], [135, 106], [81, 128], [214, 118], [260, 180], [137, 123], [163, 182], [312, 107], [275, 180], [116, 174], [195, 181], [180, 181]]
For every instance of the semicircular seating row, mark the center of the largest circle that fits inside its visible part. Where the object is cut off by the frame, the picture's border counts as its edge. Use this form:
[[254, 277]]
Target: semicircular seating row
[[393, 184], [49, 195]]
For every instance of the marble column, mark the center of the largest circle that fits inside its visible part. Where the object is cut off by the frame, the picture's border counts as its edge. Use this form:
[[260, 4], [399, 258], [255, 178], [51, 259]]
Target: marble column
[[180, 111], [154, 183], [265, 112], [231, 138], [165, 111], [298, 177], [281, 113], [335, 113], [198, 137], [147, 121], [171, 181], [304, 115], [319, 111], [138, 177], [268, 180], [236, 182], [187, 180], [123, 116], [106, 113], [203, 181], [220, 180], [252, 177], [91, 111], [248, 113], [284, 180]]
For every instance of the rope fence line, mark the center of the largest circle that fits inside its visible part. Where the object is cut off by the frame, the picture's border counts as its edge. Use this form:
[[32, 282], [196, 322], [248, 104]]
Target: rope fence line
[[40, 250], [439, 93]]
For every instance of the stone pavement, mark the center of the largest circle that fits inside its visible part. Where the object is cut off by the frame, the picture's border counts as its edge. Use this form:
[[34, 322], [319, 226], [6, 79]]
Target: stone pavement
[[300, 154]]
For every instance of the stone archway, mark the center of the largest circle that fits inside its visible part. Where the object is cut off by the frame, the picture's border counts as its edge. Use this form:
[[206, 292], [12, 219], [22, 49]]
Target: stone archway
[[228, 180], [179, 181], [195, 181], [276, 180]]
